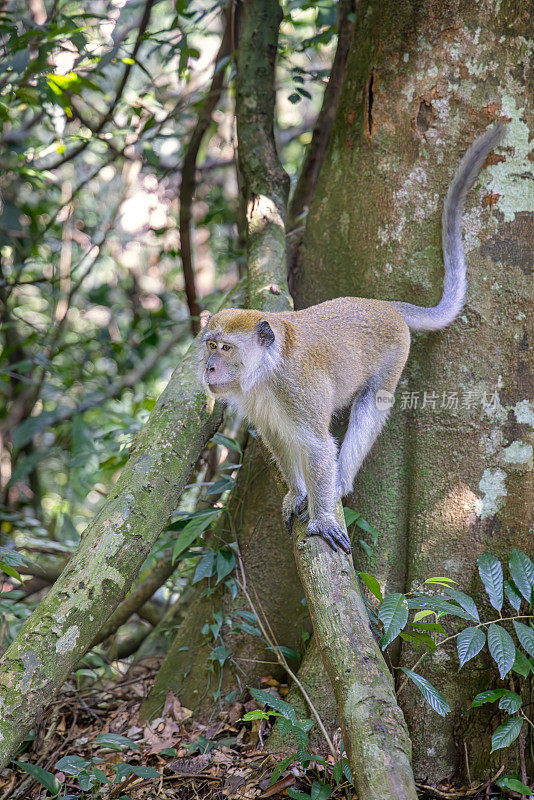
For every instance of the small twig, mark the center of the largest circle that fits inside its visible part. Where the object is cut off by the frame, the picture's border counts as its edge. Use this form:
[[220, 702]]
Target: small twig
[[269, 638]]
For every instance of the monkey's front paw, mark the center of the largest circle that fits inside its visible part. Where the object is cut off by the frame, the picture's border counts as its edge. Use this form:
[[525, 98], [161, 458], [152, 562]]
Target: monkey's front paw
[[294, 505], [331, 532]]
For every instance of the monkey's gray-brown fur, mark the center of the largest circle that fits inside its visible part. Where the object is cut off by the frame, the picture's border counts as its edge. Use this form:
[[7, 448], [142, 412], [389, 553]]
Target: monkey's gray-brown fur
[[290, 372]]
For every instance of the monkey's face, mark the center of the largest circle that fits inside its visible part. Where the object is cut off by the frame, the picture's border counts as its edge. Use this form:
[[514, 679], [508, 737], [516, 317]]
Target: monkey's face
[[238, 344], [222, 367]]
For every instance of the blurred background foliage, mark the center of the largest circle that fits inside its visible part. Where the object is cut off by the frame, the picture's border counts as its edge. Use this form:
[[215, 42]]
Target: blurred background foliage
[[98, 104]]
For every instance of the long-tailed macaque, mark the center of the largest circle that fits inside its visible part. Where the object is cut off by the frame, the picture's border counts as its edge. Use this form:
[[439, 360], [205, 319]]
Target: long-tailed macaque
[[289, 372]]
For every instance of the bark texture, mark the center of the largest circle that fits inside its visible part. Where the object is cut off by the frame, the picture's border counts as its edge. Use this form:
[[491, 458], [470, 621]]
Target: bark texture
[[442, 484]]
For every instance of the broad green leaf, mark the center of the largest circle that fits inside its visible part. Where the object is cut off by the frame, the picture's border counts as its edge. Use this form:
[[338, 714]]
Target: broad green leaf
[[372, 584], [421, 615], [514, 784], [10, 571], [440, 581], [525, 636], [285, 709], [522, 572], [258, 714], [204, 567], [490, 571], [510, 702], [368, 528], [225, 562], [506, 733], [226, 441], [393, 613], [522, 665], [431, 695], [42, 776], [72, 765], [115, 741], [121, 770], [512, 593], [350, 516], [437, 604], [192, 530], [467, 603], [281, 767], [432, 627], [502, 648], [420, 640], [488, 696], [320, 791], [470, 642]]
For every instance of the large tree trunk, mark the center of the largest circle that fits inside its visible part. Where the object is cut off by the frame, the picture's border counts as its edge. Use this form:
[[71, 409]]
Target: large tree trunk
[[422, 81]]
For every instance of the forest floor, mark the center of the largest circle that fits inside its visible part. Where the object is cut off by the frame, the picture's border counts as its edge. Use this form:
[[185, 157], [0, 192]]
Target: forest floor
[[84, 730]]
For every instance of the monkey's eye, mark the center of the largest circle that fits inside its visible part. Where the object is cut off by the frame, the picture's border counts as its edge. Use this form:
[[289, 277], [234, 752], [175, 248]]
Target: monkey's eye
[[226, 347], [212, 345]]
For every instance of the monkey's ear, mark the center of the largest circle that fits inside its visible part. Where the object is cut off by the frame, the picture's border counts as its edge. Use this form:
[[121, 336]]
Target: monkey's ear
[[265, 333], [205, 317]]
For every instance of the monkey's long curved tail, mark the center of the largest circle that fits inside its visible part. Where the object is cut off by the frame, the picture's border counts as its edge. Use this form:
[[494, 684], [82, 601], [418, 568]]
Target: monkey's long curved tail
[[433, 318]]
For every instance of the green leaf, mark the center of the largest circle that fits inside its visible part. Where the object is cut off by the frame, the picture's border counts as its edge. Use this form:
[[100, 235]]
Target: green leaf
[[490, 571], [502, 648], [281, 767], [432, 627], [42, 776], [350, 516], [420, 640], [285, 709], [515, 785], [488, 696], [522, 572], [225, 562], [115, 741], [470, 642], [320, 791], [437, 604], [121, 770], [431, 695], [522, 665], [467, 603], [510, 702], [226, 441], [440, 581], [506, 733], [393, 613], [372, 584], [10, 571], [295, 792], [192, 530], [368, 528], [512, 593], [258, 714], [525, 636], [72, 765], [204, 567]]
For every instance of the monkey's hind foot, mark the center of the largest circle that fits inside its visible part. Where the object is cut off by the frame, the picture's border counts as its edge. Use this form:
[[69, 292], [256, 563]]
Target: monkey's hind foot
[[331, 532], [294, 507]]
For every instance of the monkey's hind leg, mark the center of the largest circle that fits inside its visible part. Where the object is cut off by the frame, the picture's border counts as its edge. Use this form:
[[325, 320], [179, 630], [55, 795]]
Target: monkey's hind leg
[[368, 415], [320, 474]]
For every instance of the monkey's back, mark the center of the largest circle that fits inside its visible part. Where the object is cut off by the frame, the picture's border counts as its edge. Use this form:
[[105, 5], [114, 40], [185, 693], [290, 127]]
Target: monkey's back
[[347, 340]]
